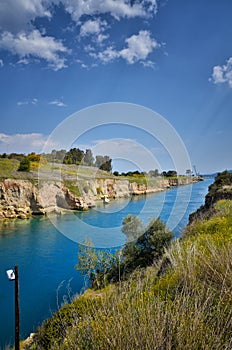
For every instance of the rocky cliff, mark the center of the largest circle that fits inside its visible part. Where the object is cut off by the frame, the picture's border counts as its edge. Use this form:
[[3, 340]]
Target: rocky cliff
[[23, 198]]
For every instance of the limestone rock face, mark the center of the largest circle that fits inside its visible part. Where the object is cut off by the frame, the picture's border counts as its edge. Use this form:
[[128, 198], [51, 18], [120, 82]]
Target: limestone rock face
[[18, 198], [21, 198]]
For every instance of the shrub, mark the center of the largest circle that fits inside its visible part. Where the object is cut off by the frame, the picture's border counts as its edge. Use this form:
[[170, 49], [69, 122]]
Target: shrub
[[24, 164]]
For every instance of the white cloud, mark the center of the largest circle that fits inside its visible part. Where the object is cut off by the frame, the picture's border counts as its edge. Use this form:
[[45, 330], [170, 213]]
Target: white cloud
[[35, 45], [20, 37], [223, 74], [34, 101], [107, 55], [92, 27], [118, 9], [57, 103], [23, 143], [15, 15], [139, 47], [1, 63], [24, 61]]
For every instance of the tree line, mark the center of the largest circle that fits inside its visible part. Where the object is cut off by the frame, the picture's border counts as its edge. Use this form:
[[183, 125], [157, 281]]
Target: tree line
[[73, 156]]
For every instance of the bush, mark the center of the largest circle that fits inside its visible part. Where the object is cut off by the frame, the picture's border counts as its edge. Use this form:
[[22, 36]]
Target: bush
[[24, 164]]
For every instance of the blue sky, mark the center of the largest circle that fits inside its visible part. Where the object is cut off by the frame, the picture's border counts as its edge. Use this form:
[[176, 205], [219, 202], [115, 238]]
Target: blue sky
[[174, 57]]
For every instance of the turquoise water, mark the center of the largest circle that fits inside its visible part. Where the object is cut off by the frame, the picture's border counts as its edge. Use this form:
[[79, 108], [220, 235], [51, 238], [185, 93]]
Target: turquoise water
[[46, 257]]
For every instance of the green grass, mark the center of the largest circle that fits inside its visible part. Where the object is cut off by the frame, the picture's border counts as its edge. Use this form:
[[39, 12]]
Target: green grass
[[188, 307], [8, 167]]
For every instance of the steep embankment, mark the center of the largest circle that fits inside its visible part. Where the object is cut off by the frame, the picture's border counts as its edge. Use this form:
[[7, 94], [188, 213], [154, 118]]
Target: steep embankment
[[57, 187], [219, 190]]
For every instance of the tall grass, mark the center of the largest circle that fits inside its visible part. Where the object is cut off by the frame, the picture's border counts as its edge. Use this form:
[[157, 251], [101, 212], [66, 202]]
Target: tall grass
[[189, 307]]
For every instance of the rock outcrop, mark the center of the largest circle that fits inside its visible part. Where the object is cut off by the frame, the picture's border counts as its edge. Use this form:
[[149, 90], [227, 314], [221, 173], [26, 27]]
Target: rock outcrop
[[23, 198]]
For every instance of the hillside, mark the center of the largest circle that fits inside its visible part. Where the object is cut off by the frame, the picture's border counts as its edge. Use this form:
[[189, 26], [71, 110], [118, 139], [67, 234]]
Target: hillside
[[219, 190], [182, 302], [55, 187]]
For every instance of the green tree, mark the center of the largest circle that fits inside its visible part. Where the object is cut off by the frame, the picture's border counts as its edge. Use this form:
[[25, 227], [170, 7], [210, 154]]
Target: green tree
[[171, 173], [74, 156], [95, 263], [132, 227], [103, 163], [148, 248], [24, 164], [142, 252], [153, 173], [88, 157]]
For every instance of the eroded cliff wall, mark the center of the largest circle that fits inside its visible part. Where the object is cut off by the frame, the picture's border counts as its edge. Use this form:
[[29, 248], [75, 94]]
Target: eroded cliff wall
[[22, 198]]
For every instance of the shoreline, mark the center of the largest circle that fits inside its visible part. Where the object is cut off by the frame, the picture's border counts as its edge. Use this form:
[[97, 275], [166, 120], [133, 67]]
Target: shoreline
[[21, 199]]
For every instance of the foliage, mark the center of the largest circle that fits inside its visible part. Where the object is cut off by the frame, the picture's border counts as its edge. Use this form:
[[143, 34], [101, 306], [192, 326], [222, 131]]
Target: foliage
[[73, 186], [103, 163], [147, 248], [132, 227], [24, 164], [219, 190], [33, 157], [222, 180], [170, 173], [74, 156], [189, 307], [88, 158], [95, 263], [154, 173]]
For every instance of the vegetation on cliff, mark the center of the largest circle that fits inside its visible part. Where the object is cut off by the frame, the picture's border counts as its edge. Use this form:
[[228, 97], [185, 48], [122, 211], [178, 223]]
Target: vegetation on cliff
[[182, 301], [220, 189]]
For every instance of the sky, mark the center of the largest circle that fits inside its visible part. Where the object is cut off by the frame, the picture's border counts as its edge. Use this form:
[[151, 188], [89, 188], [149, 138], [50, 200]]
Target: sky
[[171, 57]]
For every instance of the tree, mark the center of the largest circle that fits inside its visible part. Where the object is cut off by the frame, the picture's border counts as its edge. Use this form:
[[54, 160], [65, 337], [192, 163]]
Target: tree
[[74, 156], [148, 248], [140, 253], [153, 173], [33, 157], [103, 163], [170, 173], [95, 263], [24, 164], [88, 157], [132, 227]]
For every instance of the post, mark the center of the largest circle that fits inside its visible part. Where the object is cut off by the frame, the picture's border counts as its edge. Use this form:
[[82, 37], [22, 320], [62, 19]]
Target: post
[[17, 321]]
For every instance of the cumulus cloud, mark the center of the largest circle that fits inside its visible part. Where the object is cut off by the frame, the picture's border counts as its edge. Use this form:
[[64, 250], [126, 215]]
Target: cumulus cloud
[[1, 63], [19, 35], [223, 74], [138, 48], [35, 45], [118, 9], [91, 27], [16, 15], [23, 143], [94, 28]]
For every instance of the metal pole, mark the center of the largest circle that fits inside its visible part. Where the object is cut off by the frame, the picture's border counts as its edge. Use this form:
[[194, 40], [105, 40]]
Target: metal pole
[[17, 321]]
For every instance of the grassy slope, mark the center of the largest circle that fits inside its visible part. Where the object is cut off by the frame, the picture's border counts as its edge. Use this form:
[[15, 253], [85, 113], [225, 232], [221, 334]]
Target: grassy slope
[[49, 171], [189, 307]]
